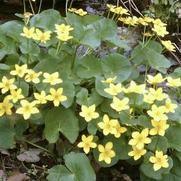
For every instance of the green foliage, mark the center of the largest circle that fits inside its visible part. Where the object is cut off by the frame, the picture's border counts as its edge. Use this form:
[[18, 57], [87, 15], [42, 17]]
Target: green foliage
[[77, 168], [61, 120], [7, 134], [88, 84]]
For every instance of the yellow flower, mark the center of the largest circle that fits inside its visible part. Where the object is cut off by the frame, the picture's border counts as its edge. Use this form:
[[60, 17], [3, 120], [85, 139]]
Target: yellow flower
[[109, 80], [41, 98], [63, 28], [15, 95], [132, 21], [63, 32], [108, 125], [56, 96], [119, 130], [7, 84], [106, 153], [169, 106], [114, 89], [159, 160], [168, 45], [120, 105], [5, 107], [52, 79], [32, 76], [134, 88], [19, 70], [27, 109], [88, 112], [27, 15], [147, 34], [148, 19], [119, 10], [137, 153], [28, 32], [64, 36], [159, 127], [158, 22], [139, 139], [111, 7], [157, 94], [87, 143], [43, 37], [160, 30], [148, 99], [173, 82], [142, 21], [80, 12], [157, 79], [157, 113], [72, 10]]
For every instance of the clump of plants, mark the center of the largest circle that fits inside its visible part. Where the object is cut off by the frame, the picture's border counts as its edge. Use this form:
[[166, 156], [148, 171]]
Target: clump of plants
[[101, 108]]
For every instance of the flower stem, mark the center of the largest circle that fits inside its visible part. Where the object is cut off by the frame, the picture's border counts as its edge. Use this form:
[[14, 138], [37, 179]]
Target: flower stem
[[32, 9], [39, 9]]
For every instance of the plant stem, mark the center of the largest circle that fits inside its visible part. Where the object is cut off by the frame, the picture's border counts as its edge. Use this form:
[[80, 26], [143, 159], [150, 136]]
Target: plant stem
[[59, 47], [39, 9], [53, 5], [71, 3], [66, 7], [24, 6], [37, 146], [31, 7], [73, 61]]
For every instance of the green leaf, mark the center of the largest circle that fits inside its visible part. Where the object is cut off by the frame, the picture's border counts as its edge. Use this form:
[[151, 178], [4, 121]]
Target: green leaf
[[24, 86], [69, 92], [60, 173], [80, 166], [173, 135], [176, 116], [159, 143], [13, 29], [88, 67], [105, 108], [141, 121], [46, 19], [6, 134], [29, 47], [100, 86], [20, 127], [116, 64], [151, 55], [7, 45], [176, 73], [92, 126], [175, 174], [81, 96], [90, 39], [78, 169], [178, 155], [4, 66], [61, 120]]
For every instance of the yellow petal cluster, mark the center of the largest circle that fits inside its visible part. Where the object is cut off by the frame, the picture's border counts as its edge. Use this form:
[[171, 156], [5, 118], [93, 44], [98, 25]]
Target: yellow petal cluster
[[106, 152], [88, 112], [63, 32], [159, 127], [139, 139], [159, 160], [87, 143]]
